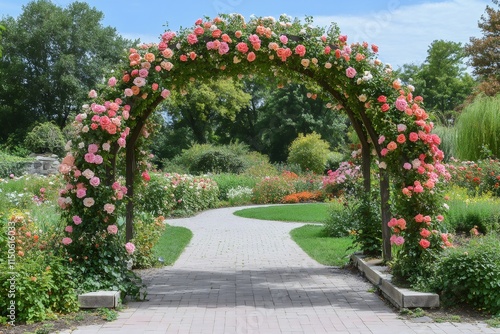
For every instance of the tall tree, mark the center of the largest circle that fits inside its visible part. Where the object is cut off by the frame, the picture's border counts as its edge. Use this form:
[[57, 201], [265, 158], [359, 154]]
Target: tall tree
[[52, 57], [483, 52], [442, 79], [289, 112], [203, 106]]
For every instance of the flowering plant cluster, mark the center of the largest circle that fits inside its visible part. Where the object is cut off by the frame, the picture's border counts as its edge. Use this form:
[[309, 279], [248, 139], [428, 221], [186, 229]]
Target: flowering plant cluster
[[478, 178], [343, 179], [173, 194], [349, 74], [303, 196]]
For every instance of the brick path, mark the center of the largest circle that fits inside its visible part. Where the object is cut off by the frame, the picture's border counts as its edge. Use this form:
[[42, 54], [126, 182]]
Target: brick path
[[247, 276]]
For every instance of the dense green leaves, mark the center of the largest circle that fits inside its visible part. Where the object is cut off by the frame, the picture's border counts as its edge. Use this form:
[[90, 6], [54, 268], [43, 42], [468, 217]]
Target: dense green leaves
[[52, 57]]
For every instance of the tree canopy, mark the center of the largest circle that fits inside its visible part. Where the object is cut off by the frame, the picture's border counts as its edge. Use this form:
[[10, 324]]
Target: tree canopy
[[52, 57], [483, 52]]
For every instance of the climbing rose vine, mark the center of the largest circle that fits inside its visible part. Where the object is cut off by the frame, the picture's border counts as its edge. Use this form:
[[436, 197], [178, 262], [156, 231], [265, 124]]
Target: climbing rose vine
[[350, 75]]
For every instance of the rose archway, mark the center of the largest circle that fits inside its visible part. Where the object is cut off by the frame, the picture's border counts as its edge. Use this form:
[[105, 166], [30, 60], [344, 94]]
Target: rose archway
[[392, 126]]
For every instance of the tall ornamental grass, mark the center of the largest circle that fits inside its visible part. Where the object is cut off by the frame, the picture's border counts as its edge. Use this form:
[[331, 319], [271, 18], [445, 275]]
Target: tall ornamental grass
[[477, 129]]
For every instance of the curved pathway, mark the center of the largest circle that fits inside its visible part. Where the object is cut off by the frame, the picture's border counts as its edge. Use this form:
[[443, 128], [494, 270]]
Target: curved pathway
[[242, 275]]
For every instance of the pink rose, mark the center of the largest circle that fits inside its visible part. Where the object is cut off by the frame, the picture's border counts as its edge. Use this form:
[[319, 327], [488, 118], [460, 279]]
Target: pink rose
[[112, 82], [89, 157], [112, 229], [77, 220], [300, 50], [283, 39], [128, 92], [129, 247], [109, 208], [139, 82], [385, 107], [242, 47], [192, 39], [143, 72], [383, 152], [413, 136], [66, 241], [93, 148], [381, 139], [392, 146], [424, 243], [401, 128], [425, 233], [81, 193], [350, 72], [145, 176], [401, 138], [95, 181], [407, 166], [223, 48], [399, 241], [115, 186], [88, 202], [121, 142], [165, 93], [251, 57], [69, 229], [98, 159], [92, 94], [401, 104]]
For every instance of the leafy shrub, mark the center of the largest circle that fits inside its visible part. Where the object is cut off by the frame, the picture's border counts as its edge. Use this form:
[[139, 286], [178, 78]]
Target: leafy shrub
[[480, 212], [339, 222], [272, 189], [148, 231], [176, 194], [239, 196], [333, 160], [44, 138], [471, 274], [258, 165], [10, 164], [216, 161], [44, 283], [309, 152], [226, 182]]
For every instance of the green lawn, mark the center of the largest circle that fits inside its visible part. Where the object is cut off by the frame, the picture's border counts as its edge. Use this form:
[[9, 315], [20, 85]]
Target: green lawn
[[310, 212], [325, 250], [172, 243]]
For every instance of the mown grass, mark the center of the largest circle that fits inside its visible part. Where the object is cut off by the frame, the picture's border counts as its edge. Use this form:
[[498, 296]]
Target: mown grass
[[172, 243], [326, 250], [310, 212]]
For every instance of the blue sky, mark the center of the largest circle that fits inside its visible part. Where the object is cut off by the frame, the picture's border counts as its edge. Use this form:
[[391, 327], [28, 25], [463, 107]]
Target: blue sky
[[403, 29]]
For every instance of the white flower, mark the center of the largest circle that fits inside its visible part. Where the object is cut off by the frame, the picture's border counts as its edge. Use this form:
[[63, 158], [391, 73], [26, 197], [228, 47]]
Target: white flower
[[382, 165]]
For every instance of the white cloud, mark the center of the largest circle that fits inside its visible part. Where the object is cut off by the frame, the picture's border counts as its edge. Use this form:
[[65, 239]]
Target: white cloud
[[404, 33]]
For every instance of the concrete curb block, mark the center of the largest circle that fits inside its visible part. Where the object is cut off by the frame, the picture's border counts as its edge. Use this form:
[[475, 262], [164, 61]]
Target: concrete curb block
[[98, 299], [399, 297]]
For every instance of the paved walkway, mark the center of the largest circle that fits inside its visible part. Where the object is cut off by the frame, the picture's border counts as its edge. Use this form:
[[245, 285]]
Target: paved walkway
[[247, 276]]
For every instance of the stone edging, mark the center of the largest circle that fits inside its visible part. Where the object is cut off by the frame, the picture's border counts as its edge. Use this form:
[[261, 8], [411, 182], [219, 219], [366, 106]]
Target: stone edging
[[399, 297]]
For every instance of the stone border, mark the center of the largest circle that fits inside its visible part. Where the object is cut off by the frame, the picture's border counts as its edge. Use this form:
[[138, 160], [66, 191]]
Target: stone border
[[98, 299], [399, 297]]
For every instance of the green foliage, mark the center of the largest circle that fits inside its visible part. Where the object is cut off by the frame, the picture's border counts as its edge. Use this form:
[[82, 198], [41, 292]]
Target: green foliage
[[205, 102], [77, 50], [217, 161], [10, 164], [272, 189], [322, 248], [310, 212], [482, 213], [45, 138], [442, 79], [470, 274], [310, 152], [107, 314], [226, 182], [339, 222], [333, 160], [359, 218], [177, 195], [148, 231], [478, 127], [172, 243]]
